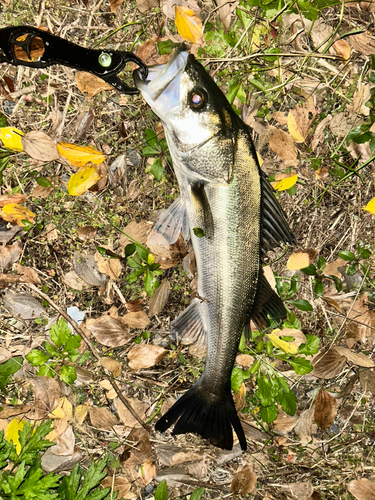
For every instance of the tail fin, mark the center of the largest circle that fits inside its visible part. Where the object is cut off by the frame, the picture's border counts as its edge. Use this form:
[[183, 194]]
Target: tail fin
[[198, 413]]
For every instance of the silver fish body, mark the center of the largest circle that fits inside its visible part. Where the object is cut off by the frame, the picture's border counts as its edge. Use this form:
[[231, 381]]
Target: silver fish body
[[233, 219]]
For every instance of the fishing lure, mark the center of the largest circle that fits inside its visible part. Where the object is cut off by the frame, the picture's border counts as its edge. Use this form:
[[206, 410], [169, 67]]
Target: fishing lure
[[36, 48]]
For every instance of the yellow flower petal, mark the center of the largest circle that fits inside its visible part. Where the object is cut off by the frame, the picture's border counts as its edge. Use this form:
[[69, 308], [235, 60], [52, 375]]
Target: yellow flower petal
[[286, 183]]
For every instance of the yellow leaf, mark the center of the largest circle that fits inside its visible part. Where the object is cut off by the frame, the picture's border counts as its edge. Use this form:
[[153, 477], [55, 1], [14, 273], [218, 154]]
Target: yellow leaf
[[11, 138], [300, 260], [16, 213], [14, 427], [286, 183], [80, 182], [287, 347], [370, 207], [188, 24], [80, 413], [79, 156], [293, 128]]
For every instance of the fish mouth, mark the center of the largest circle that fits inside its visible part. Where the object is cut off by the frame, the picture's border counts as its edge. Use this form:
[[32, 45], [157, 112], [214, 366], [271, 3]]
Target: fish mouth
[[161, 89]]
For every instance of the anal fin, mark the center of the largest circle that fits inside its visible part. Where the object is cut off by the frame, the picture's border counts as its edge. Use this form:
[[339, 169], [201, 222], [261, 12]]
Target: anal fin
[[169, 226], [188, 327], [268, 303]]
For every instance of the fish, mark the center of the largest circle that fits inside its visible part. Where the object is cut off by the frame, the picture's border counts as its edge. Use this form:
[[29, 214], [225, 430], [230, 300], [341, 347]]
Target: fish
[[228, 206]]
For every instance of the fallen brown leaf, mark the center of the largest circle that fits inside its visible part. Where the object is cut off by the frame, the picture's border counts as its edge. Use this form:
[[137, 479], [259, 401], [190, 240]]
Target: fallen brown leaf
[[82, 124], [146, 5], [119, 482], [137, 230], [302, 491], [46, 397], [145, 356], [137, 319], [108, 266], [301, 258], [362, 327], [169, 255], [64, 442], [28, 274], [328, 364], [159, 298], [139, 449], [23, 305], [102, 418], [367, 380], [87, 269], [72, 280], [332, 269], [305, 426], [318, 136], [18, 198], [124, 414], [109, 331], [244, 360], [363, 489], [147, 472], [300, 119], [40, 146], [90, 85], [87, 233], [284, 423], [282, 144], [363, 43], [325, 409], [112, 365], [359, 359], [9, 254], [341, 48], [244, 481], [239, 398]]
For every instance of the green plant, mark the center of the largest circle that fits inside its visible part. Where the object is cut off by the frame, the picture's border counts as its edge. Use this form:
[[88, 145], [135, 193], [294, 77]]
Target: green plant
[[161, 492], [22, 477], [57, 356], [7, 369], [156, 148], [273, 388]]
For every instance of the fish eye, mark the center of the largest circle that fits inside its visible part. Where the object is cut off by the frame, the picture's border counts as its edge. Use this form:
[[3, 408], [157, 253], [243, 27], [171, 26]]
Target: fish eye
[[197, 99]]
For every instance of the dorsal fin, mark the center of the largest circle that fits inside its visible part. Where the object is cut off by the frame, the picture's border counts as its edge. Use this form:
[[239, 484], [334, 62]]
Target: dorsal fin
[[275, 229]]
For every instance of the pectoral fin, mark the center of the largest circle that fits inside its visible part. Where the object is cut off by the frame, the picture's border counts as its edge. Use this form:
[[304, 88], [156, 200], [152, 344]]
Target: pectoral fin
[[202, 209], [188, 327], [169, 226]]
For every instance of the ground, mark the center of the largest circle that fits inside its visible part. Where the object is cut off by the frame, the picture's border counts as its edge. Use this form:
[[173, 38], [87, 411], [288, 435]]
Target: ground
[[303, 81]]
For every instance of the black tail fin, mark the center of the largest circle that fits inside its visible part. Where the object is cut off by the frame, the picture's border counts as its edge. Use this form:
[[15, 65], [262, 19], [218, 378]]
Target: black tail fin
[[198, 413]]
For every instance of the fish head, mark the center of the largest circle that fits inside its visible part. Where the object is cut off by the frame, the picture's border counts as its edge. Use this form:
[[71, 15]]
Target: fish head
[[198, 121]]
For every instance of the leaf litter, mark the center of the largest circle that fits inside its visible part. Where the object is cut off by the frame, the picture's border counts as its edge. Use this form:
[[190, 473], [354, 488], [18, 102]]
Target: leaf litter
[[345, 356]]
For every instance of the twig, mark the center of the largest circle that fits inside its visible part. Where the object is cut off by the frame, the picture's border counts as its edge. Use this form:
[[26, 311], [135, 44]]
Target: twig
[[93, 349]]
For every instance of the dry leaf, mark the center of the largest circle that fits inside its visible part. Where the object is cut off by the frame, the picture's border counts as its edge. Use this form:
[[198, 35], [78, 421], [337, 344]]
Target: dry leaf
[[244, 481], [327, 365], [301, 259], [137, 319], [147, 472], [145, 356], [79, 156], [87, 269], [72, 280], [9, 254], [363, 324], [28, 274], [40, 192], [110, 267], [135, 305], [46, 397], [102, 418], [119, 483], [83, 180], [11, 138], [23, 305], [363, 489], [332, 269], [367, 380], [319, 132], [342, 49], [302, 491], [90, 85], [87, 233], [188, 24], [300, 119], [112, 365], [305, 427], [225, 11], [109, 332], [325, 409], [168, 255], [239, 398], [64, 443], [282, 144], [159, 298], [360, 98], [284, 423], [363, 43], [12, 212], [80, 413], [40, 146], [244, 360], [357, 359], [82, 124], [146, 5], [17, 198], [126, 417], [136, 230], [342, 123], [139, 449], [58, 463]]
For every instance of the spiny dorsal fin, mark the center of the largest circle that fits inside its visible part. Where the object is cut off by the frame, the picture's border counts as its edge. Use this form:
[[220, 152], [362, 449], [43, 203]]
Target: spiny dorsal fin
[[275, 229]]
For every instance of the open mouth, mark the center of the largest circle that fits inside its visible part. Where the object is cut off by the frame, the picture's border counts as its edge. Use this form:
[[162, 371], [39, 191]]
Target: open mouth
[[163, 79]]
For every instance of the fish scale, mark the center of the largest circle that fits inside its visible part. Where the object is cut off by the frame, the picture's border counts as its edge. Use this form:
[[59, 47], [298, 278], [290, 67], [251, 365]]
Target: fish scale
[[227, 200]]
